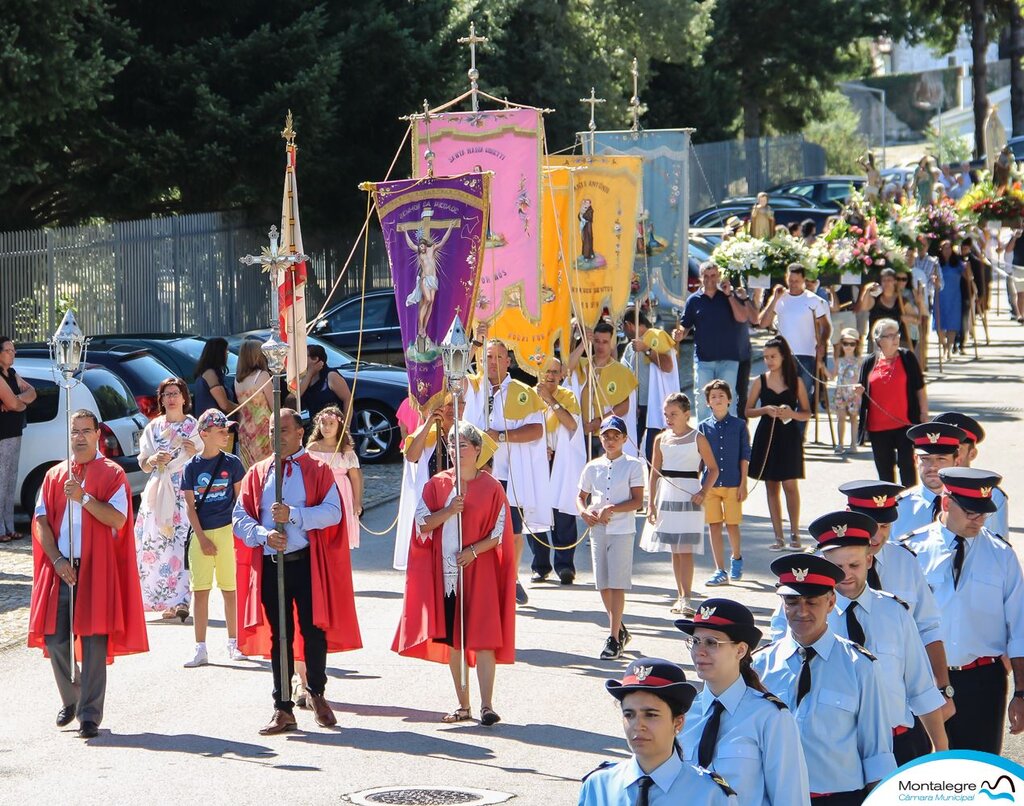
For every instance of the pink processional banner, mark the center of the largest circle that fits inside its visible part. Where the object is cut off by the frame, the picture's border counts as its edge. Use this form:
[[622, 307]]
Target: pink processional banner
[[508, 143]]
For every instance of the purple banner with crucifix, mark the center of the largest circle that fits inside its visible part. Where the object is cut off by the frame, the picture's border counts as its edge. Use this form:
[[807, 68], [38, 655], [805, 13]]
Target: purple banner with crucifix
[[508, 143], [434, 231]]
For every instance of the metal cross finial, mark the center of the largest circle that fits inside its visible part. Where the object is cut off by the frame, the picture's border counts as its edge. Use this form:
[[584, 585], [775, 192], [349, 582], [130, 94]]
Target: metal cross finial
[[273, 259], [634, 102], [429, 154], [593, 100], [288, 132], [474, 75]]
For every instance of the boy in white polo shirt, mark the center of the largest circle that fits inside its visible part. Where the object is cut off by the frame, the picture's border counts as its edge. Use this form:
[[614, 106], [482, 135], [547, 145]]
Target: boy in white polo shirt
[[611, 491]]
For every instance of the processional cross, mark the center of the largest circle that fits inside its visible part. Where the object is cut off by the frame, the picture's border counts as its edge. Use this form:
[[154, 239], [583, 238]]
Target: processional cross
[[474, 75], [634, 102], [593, 100]]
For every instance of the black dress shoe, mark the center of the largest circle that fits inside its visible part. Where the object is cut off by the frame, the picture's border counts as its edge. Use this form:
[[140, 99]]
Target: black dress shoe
[[566, 577], [521, 597], [538, 577], [88, 730], [65, 715]]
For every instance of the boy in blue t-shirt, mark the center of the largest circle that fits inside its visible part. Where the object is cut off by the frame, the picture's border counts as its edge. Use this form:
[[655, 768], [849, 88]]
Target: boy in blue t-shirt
[[730, 442], [217, 475]]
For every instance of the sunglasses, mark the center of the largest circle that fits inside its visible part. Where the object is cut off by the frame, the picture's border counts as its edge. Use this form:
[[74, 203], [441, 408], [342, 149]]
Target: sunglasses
[[849, 344], [901, 279]]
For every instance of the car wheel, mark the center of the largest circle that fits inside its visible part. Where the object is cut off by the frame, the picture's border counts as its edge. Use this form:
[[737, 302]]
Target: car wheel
[[374, 430], [31, 486]]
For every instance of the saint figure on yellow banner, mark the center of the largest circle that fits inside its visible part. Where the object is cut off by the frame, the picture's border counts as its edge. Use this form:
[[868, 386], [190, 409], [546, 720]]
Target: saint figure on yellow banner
[[586, 216]]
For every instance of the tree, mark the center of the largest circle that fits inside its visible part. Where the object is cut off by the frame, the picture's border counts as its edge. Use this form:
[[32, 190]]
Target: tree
[[838, 132], [1016, 54]]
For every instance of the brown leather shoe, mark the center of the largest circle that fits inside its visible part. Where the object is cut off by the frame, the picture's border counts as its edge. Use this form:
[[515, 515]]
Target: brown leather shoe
[[325, 717], [281, 722]]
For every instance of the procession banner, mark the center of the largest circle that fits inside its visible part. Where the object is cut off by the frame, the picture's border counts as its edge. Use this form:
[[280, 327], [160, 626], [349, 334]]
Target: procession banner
[[534, 342], [661, 232], [509, 144], [291, 283], [434, 234], [605, 206]]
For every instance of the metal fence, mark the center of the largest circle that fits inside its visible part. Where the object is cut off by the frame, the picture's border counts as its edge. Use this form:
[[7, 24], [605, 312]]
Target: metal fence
[[175, 274], [744, 167]]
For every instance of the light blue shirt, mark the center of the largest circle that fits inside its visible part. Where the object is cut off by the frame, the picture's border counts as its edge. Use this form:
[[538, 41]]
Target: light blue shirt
[[914, 510], [901, 575], [984, 616], [908, 686], [758, 750], [302, 518], [675, 783], [845, 734]]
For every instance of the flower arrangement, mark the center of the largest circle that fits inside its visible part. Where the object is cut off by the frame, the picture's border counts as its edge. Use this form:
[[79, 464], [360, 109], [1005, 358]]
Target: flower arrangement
[[740, 256], [940, 222], [859, 250], [982, 203], [782, 249]]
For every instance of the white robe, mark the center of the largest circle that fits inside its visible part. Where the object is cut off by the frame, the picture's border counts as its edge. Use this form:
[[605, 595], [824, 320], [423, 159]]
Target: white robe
[[415, 476], [567, 465]]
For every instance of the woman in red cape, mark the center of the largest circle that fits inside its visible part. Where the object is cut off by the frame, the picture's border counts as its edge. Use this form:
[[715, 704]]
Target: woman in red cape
[[430, 627], [109, 599], [334, 605]]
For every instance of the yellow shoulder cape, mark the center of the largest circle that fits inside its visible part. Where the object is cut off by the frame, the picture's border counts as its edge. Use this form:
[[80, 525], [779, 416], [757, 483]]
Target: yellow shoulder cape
[[521, 401]]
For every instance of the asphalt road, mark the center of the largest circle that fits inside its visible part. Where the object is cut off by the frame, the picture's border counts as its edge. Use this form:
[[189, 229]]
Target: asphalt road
[[176, 735]]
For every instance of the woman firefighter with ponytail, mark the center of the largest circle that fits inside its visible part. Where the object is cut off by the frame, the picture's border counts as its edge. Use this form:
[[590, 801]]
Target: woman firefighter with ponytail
[[735, 727]]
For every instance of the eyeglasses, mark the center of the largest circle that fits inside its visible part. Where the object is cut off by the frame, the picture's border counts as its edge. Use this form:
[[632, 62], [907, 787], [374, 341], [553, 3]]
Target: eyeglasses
[[889, 335], [82, 432], [174, 393], [710, 644], [901, 279]]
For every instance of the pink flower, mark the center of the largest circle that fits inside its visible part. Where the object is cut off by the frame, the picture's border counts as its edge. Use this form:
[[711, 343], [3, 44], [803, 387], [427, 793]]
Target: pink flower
[[175, 564], [148, 557], [867, 260], [172, 581]]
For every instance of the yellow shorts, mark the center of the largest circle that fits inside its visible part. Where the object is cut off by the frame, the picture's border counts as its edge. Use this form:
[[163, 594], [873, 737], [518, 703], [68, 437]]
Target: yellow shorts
[[723, 504], [201, 566]]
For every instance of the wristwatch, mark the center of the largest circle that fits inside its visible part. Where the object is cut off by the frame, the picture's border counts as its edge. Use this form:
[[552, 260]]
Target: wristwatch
[[86, 498], [501, 436], [556, 406], [948, 691]]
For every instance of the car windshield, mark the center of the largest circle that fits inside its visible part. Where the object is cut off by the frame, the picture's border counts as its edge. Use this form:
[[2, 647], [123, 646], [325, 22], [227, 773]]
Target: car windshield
[[143, 370], [193, 348], [112, 397]]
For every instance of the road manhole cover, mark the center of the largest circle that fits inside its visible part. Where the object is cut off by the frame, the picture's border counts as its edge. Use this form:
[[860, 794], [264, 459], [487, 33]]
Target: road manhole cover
[[428, 796]]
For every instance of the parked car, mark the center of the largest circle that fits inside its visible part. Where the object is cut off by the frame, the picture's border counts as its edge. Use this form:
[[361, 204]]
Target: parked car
[[787, 209], [375, 320], [822, 191], [138, 368], [378, 390], [898, 176], [45, 439], [178, 351], [1016, 145]]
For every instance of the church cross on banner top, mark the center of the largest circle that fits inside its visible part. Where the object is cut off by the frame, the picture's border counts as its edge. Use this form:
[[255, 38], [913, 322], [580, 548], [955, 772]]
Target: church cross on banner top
[[593, 100], [273, 260], [429, 154], [288, 132], [474, 75], [634, 102]]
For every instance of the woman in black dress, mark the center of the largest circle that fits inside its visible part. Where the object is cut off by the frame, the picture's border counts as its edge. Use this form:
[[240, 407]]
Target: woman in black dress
[[779, 398]]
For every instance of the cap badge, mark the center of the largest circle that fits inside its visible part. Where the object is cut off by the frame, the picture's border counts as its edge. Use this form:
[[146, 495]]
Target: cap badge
[[933, 437], [986, 492], [706, 613], [840, 529], [879, 500], [642, 672], [800, 574]]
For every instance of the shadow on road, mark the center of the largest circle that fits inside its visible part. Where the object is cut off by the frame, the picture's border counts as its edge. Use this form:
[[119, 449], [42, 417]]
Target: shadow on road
[[191, 743]]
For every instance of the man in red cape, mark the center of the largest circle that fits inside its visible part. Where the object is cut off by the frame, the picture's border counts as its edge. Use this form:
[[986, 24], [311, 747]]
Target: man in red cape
[[109, 619], [429, 627], [318, 571]]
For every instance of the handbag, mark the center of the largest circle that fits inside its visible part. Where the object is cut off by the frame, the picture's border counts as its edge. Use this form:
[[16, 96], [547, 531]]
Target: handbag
[[200, 502]]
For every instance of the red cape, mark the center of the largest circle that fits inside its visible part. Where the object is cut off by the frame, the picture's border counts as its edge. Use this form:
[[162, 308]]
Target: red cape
[[334, 604], [490, 581], [109, 598]]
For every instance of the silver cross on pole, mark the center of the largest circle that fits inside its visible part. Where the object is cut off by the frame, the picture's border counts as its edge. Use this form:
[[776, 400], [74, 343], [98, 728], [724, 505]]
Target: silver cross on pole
[[593, 100], [634, 102], [428, 155], [272, 260], [474, 75]]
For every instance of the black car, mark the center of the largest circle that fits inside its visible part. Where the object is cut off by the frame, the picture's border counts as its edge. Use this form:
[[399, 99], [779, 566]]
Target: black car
[[137, 367], [373, 320], [788, 209], [822, 191], [178, 351], [377, 392]]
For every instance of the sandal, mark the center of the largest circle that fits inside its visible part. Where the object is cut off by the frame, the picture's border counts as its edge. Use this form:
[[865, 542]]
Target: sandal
[[458, 715], [794, 542], [16, 536], [181, 611], [169, 613], [6, 538], [778, 545], [488, 717]]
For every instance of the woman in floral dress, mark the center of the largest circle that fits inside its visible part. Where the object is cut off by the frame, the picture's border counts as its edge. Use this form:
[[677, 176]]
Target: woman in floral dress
[[161, 527], [255, 395]]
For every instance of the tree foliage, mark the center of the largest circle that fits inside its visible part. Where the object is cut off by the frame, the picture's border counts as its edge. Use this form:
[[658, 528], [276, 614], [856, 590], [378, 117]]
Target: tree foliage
[[838, 132]]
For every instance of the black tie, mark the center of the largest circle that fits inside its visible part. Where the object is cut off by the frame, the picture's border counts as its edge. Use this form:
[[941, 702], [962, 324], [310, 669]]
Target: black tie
[[873, 581], [803, 685], [958, 559], [708, 739], [936, 507], [642, 798], [853, 628]]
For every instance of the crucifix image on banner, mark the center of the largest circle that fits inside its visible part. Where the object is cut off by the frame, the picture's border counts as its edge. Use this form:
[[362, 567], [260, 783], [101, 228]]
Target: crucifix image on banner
[[508, 144]]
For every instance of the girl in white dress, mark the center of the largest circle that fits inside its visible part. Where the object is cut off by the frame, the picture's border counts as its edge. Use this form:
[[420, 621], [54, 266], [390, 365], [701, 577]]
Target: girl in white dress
[[675, 518]]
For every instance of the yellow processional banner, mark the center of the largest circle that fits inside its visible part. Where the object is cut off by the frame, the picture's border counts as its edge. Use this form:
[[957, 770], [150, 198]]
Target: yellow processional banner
[[604, 210], [533, 342]]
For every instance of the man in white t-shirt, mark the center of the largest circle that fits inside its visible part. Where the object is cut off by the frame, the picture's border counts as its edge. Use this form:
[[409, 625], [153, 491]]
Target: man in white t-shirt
[[802, 319]]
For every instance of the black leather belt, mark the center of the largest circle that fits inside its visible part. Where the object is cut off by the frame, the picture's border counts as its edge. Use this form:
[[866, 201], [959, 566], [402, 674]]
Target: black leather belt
[[680, 474], [290, 557]]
